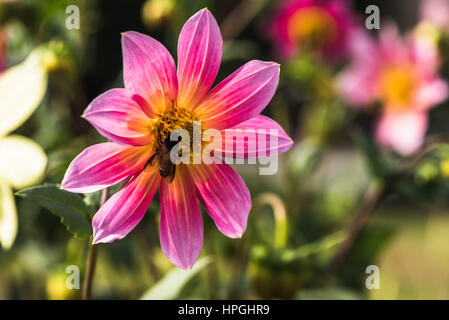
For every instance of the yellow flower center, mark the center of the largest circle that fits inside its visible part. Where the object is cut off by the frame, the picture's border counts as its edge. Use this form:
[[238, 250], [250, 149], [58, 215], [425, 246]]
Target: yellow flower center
[[313, 27], [396, 84], [172, 119], [179, 118]]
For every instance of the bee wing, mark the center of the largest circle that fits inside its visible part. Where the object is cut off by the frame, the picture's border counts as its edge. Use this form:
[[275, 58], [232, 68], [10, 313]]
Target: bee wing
[[171, 173], [151, 160]]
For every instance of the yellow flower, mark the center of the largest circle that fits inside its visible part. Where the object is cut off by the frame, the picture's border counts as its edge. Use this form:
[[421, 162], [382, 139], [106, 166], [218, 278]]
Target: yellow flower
[[22, 161], [445, 168], [154, 12]]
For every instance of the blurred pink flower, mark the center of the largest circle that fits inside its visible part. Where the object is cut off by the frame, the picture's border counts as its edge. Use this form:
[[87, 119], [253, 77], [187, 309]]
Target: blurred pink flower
[[157, 99], [319, 25], [403, 76], [436, 12]]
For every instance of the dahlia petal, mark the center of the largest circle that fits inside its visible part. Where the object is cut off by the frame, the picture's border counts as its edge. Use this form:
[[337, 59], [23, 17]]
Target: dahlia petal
[[149, 71], [224, 195], [119, 118], [181, 226], [425, 54], [103, 165], [432, 93], [362, 47], [402, 131], [199, 55], [355, 77], [259, 136], [392, 46], [124, 210], [241, 96]]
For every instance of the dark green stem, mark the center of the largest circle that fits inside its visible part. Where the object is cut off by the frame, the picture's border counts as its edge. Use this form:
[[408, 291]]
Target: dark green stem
[[90, 270], [92, 258]]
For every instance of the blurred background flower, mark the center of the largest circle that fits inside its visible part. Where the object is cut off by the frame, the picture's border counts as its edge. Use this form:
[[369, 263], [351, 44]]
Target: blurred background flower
[[323, 27], [157, 13], [22, 161], [403, 77]]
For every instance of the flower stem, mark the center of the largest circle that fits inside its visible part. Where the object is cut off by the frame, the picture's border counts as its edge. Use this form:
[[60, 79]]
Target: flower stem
[[90, 270], [370, 201], [240, 17], [374, 195], [92, 258], [280, 216]]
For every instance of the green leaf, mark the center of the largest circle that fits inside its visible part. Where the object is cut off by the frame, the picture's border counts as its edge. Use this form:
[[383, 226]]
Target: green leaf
[[170, 286], [68, 206]]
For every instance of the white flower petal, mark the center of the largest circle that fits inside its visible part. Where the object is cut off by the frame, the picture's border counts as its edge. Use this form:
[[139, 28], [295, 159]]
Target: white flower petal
[[22, 161], [22, 89], [8, 216]]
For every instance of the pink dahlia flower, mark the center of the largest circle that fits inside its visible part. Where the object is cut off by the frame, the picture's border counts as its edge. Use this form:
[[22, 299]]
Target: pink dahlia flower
[[403, 77], [319, 25], [157, 99]]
